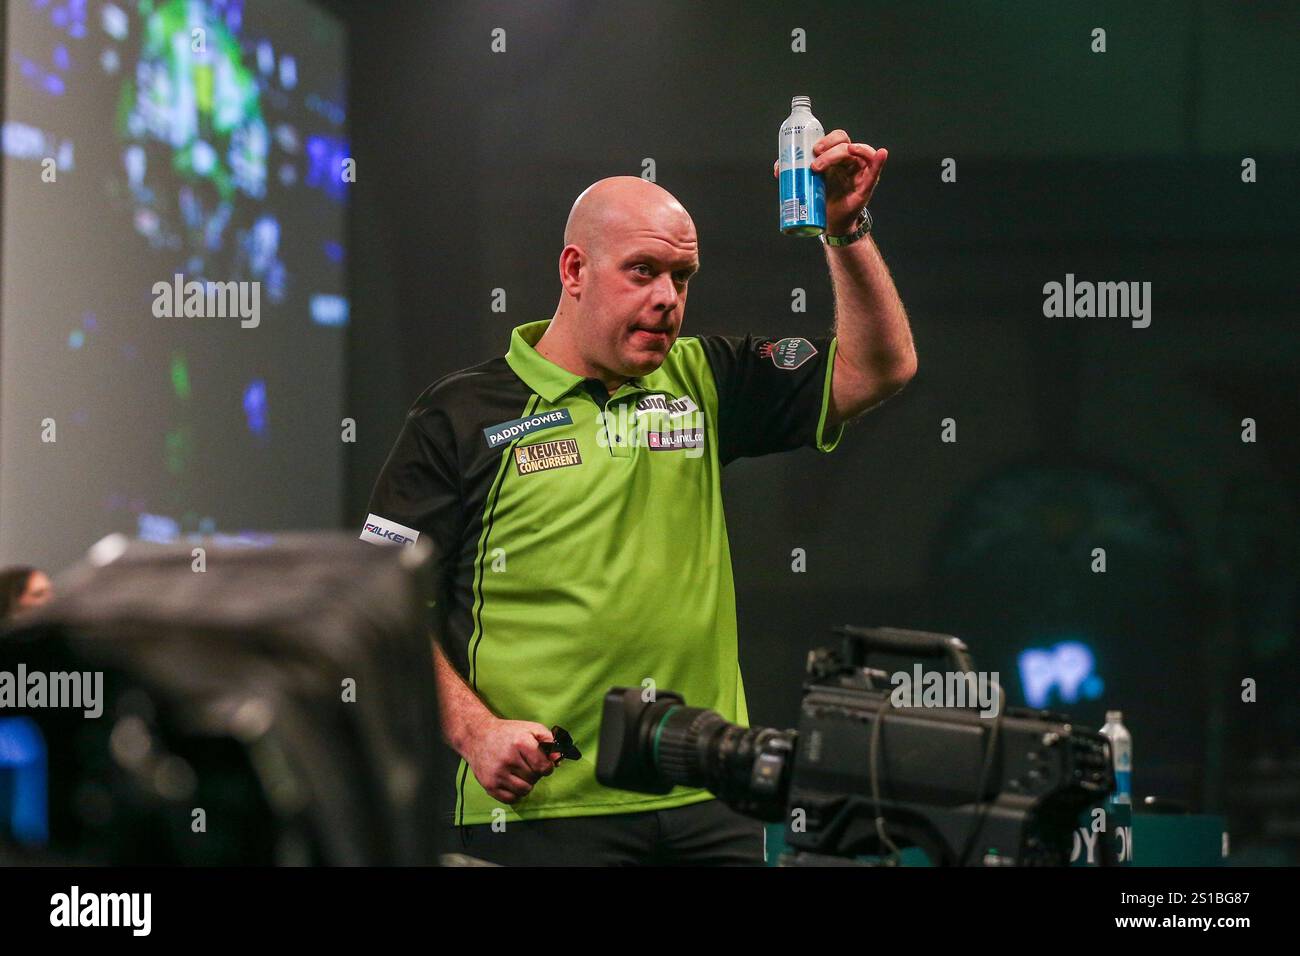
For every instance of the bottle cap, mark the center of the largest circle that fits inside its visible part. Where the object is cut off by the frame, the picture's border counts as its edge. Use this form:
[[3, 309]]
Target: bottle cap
[[1114, 716]]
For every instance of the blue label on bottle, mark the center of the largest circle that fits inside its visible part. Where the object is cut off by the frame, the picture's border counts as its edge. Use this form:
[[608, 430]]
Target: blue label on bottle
[[803, 198]]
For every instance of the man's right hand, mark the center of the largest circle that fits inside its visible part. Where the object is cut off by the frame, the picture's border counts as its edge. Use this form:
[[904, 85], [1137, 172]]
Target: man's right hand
[[505, 757]]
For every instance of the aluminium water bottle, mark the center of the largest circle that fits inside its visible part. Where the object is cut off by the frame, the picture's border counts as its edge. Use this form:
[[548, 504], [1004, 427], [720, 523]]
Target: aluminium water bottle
[[1119, 805], [803, 192]]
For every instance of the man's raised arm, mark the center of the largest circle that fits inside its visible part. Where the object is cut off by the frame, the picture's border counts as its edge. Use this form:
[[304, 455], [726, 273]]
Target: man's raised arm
[[875, 356]]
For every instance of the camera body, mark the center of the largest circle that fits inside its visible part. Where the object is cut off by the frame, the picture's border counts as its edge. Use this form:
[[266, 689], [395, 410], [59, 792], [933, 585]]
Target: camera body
[[861, 775]]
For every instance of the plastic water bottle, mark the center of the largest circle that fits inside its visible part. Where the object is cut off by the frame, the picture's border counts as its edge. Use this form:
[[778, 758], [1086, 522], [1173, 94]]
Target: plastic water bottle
[[803, 192], [1119, 805]]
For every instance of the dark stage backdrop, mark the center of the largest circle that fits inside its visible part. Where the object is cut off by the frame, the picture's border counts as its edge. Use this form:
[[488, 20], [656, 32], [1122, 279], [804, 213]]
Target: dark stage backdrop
[[1071, 434]]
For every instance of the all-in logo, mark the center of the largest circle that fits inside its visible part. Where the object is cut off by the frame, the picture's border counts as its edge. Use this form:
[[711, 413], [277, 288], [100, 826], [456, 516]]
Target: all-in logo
[[676, 439], [787, 354], [547, 456]]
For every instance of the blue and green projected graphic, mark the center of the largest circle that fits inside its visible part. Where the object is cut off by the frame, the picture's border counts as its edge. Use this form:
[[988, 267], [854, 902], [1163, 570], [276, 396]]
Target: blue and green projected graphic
[[153, 149]]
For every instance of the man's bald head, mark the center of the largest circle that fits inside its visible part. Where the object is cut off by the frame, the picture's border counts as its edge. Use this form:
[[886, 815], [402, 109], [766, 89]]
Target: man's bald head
[[619, 207], [630, 248]]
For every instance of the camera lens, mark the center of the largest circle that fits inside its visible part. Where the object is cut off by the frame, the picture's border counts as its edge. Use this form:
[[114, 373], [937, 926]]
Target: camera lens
[[746, 767]]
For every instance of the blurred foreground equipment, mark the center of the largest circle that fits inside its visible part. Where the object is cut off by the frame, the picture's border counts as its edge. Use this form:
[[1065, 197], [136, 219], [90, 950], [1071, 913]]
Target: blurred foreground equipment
[[270, 701]]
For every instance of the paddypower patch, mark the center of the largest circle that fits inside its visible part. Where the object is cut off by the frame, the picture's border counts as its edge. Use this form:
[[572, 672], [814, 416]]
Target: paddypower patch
[[788, 354], [498, 435]]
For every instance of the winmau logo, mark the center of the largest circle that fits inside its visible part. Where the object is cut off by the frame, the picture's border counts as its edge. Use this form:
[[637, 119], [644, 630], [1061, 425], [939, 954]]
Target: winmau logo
[[675, 407], [75, 908]]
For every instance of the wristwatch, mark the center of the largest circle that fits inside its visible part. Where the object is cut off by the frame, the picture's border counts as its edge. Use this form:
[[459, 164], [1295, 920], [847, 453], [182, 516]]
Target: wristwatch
[[864, 227]]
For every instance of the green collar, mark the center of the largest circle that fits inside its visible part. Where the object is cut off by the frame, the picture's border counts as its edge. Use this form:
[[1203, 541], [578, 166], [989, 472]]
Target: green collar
[[541, 374]]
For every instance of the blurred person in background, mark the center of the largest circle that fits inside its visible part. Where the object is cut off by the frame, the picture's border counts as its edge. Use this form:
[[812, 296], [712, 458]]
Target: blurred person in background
[[22, 588]]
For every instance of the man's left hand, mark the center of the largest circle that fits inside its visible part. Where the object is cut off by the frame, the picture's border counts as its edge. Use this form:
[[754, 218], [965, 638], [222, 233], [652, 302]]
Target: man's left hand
[[851, 172]]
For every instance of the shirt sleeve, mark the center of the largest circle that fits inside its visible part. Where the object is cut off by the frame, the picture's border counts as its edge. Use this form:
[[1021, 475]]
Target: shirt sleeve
[[773, 394], [417, 498]]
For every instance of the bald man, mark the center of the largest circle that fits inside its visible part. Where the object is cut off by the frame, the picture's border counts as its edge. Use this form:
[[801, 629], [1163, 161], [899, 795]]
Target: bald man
[[570, 491]]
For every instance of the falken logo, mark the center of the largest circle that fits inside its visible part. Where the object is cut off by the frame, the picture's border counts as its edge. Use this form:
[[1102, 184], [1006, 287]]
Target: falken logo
[[787, 354], [498, 435], [675, 407], [382, 531]]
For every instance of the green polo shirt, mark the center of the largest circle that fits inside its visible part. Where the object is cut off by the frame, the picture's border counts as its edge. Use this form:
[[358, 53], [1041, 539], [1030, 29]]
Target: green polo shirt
[[579, 537]]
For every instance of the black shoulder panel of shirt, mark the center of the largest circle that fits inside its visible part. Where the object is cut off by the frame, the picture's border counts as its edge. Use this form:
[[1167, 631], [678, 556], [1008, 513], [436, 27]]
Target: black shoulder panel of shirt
[[764, 407], [438, 474], [439, 477], [455, 409]]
